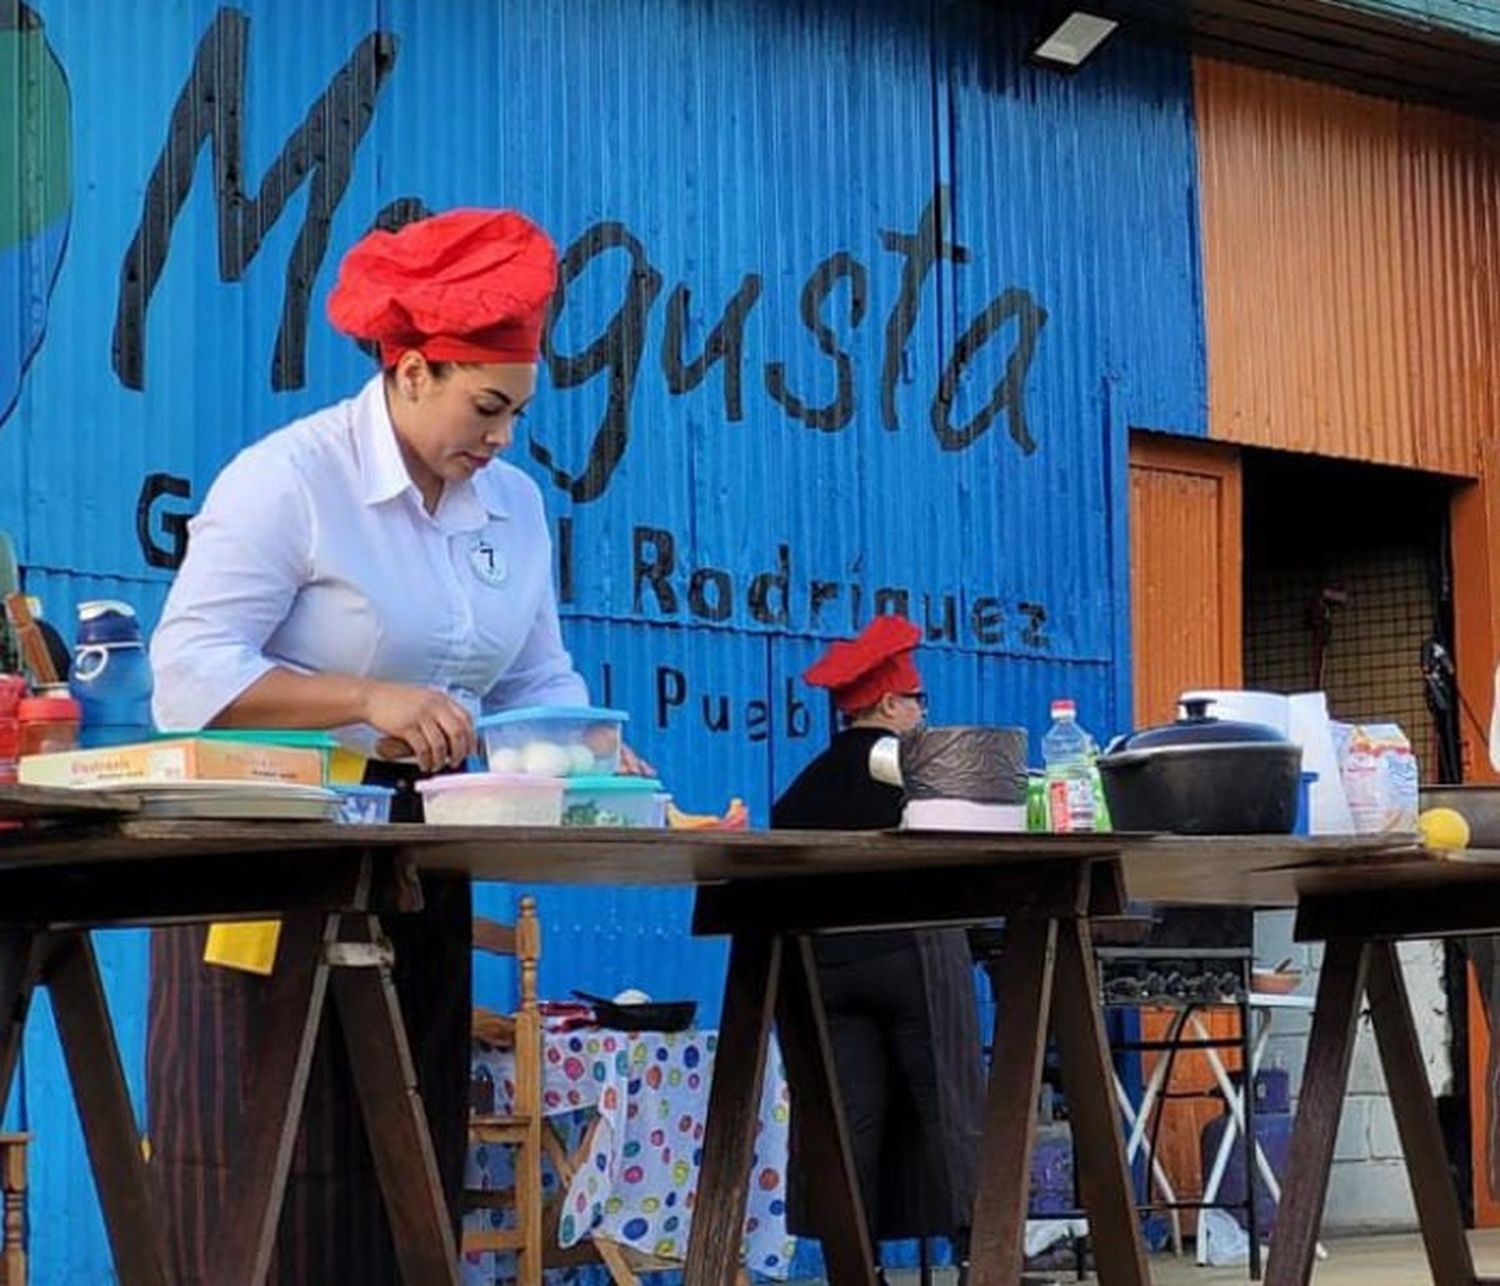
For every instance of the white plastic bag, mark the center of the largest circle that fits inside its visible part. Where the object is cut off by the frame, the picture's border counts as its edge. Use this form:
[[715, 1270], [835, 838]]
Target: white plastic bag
[[1224, 1242], [1379, 773]]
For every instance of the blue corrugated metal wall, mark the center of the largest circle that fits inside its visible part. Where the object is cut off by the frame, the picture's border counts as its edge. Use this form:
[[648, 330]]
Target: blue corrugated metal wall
[[934, 285]]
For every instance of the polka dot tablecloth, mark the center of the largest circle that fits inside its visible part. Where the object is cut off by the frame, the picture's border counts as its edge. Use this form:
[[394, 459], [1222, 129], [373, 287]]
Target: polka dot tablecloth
[[638, 1181]]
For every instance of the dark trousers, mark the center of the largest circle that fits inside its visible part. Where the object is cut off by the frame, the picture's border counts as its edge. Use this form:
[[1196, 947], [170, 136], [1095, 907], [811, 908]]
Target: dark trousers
[[204, 1021], [883, 1050]]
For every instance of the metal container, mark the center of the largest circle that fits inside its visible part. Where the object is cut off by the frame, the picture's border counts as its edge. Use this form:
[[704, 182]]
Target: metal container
[[1478, 805], [1203, 776]]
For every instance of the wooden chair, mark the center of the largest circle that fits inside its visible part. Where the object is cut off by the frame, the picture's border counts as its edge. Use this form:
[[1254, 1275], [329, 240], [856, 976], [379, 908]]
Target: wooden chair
[[520, 1128], [524, 1128], [13, 1188]]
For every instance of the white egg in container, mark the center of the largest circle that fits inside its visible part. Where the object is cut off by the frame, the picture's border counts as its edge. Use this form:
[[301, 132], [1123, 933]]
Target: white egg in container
[[553, 741]]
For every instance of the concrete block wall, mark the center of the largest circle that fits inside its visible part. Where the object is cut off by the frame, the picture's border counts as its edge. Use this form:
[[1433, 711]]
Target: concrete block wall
[[1368, 1190]]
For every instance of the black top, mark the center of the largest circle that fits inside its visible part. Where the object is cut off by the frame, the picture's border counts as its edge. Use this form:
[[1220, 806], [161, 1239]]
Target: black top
[[836, 793]]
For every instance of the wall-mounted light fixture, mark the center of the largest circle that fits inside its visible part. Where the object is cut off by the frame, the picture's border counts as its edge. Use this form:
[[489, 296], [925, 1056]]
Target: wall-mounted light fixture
[[1073, 40]]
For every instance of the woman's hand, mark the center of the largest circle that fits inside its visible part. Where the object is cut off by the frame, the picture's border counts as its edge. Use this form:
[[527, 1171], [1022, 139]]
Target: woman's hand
[[421, 722], [632, 765]]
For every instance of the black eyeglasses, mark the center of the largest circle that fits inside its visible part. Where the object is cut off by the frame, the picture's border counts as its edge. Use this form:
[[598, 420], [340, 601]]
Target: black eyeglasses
[[919, 697]]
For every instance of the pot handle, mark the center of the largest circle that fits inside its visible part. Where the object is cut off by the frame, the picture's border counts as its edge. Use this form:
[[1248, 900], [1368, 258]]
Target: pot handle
[[1195, 709]]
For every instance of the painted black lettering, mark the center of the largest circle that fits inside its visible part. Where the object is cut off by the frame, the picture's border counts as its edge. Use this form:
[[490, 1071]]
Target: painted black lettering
[[892, 601], [618, 349], [922, 250], [174, 526], [565, 561], [711, 608], [1034, 632], [770, 592], [726, 343], [321, 151], [987, 619], [798, 720], [945, 628], [716, 714], [758, 721], [654, 570], [1009, 394], [671, 692], [819, 593], [837, 413]]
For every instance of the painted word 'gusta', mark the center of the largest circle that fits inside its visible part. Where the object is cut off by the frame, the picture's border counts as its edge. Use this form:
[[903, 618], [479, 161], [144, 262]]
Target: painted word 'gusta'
[[208, 113]]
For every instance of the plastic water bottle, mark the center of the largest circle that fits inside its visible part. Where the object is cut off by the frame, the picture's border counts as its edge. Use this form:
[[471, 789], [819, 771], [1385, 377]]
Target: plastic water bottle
[[111, 675], [1071, 802]]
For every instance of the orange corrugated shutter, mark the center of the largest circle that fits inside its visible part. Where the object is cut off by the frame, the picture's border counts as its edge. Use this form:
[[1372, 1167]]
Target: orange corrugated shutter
[[1351, 271]]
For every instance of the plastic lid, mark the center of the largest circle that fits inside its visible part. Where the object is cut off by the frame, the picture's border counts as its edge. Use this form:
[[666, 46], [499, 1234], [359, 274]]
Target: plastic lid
[[299, 737], [97, 607], [579, 714], [364, 792], [490, 780], [1198, 728], [615, 781], [49, 710], [1064, 709], [107, 620]]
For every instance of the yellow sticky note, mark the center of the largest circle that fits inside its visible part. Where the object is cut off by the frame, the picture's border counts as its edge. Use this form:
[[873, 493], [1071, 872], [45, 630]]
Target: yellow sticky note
[[345, 768], [249, 945]]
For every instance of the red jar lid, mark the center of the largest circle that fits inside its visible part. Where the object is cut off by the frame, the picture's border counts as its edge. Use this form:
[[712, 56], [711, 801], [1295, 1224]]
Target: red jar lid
[[50, 710]]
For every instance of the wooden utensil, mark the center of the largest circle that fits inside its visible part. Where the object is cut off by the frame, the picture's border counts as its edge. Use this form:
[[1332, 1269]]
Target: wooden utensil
[[29, 639]]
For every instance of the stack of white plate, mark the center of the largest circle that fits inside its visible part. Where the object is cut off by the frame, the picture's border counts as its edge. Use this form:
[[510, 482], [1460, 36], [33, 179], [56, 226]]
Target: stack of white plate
[[238, 801]]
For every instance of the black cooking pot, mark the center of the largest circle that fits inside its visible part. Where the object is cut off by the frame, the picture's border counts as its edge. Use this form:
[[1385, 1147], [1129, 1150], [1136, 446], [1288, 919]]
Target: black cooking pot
[[1203, 776], [650, 1015]]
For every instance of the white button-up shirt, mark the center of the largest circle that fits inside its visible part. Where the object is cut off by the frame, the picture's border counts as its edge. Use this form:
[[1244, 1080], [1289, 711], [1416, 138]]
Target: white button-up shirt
[[313, 552]]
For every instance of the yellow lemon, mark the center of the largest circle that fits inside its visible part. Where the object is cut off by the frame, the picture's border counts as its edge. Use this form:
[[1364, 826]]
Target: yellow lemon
[[1443, 828]]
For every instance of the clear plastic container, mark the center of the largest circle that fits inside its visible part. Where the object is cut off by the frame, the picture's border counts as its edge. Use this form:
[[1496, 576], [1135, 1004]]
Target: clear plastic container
[[492, 799], [553, 741], [364, 805], [614, 801], [1072, 801], [48, 725]]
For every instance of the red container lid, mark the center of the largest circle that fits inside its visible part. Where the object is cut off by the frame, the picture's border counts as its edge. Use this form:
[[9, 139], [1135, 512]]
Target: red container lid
[[50, 710]]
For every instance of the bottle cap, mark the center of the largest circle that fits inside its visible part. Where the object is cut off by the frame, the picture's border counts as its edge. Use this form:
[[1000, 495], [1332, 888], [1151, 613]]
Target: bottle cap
[[1064, 709]]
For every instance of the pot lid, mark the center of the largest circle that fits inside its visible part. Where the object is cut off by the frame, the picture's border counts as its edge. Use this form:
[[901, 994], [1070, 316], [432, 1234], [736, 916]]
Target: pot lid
[[1199, 728]]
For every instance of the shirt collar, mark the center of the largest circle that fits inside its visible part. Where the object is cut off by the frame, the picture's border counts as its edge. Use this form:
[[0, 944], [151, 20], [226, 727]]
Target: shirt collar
[[467, 506], [382, 471]]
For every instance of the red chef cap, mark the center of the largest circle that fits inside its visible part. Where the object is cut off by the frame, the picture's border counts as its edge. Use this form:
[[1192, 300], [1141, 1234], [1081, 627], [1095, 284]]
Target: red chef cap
[[465, 286], [877, 662]]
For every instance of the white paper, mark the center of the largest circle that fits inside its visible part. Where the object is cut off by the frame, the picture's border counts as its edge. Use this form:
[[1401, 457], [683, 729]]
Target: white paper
[[1495, 724], [1310, 728]]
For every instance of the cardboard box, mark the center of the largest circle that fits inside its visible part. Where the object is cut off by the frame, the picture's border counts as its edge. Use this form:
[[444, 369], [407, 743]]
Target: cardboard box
[[182, 759]]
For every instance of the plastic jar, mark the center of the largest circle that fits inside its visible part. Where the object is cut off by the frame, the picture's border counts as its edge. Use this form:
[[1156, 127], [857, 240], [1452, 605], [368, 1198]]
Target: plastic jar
[[48, 725], [10, 749]]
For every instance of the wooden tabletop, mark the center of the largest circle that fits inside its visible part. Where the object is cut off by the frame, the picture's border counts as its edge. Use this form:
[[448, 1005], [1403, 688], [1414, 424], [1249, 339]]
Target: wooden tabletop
[[46, 803], [87, 828], [553, 855]]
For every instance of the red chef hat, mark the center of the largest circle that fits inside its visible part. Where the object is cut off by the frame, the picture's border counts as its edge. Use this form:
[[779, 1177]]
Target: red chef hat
[[465, 286], [877, 662]]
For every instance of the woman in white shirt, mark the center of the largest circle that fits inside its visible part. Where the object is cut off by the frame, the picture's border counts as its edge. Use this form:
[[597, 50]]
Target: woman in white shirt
[[374, 569]]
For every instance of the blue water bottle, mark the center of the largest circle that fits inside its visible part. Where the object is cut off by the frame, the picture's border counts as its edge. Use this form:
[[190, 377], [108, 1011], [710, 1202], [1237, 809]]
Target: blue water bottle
[[111, 675]]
